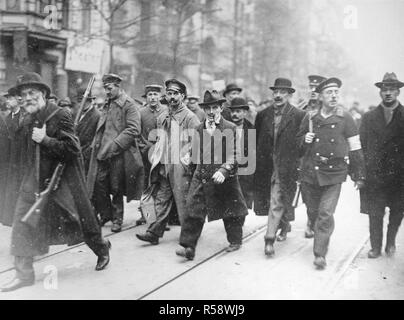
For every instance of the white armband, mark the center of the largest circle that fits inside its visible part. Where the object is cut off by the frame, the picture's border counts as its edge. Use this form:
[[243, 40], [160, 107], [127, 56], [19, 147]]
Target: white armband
[[354, 143]]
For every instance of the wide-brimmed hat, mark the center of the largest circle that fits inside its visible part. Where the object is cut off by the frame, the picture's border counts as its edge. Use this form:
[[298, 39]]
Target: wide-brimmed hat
[[330, 82], [211, 97], [239, 103], [389, 79], [231, 87], [315, 80], [31, 79], [152, 87], [176, 85], [283, 83]]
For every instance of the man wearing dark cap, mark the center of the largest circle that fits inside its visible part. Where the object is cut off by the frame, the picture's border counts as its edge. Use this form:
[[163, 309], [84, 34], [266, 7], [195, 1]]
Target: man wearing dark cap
[[170, 172], [382, 138], [87, 124], [65, 103], [53, 98], [16, 155], [116, 166], [246, 162], [277, 158], [192, 105], [149, 114], [68, 216], [215, 191], [231, 91], [312, 106], [326, 138]]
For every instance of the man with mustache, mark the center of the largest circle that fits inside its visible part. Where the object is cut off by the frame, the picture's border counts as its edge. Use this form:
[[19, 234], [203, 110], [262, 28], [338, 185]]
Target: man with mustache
[[68, 216], [238, 111], [231, 91], [171, 171], [382, 138], [116, 166], [326, 138], [277, 159]]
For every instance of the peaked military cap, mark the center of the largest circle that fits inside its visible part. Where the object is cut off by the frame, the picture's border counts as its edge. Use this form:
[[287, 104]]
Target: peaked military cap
[[176, 85], [330, 82], [111, 78], [315, 80], [152, 87]]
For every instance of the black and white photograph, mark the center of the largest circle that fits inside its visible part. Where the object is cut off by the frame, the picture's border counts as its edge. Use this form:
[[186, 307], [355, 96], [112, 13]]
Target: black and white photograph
[[215, 151]]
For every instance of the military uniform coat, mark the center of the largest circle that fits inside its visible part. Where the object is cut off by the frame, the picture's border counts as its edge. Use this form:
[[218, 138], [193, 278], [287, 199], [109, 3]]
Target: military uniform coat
[[218, 200], [383, 149], [285, 152], [86, 131], [69, 210], [127, 122]]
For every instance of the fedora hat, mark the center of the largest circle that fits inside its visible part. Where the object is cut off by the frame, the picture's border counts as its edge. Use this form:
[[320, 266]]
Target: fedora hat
[[389, 79], [31, 79], [283, 83], [330, 82], [239, 103], [231, 87], [211, 97]]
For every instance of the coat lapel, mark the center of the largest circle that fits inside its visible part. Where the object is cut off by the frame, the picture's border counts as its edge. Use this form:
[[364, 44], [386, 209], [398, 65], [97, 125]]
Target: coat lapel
[[286, 118]]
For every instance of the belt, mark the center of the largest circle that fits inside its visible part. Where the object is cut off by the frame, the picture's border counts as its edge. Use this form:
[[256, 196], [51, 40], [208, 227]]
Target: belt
[[329, 161]]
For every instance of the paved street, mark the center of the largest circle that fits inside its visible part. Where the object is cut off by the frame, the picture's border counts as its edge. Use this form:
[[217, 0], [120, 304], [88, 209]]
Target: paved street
[[141, 271]]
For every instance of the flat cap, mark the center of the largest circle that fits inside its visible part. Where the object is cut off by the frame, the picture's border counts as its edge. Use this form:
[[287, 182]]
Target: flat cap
[[111, 78], [330, 82]]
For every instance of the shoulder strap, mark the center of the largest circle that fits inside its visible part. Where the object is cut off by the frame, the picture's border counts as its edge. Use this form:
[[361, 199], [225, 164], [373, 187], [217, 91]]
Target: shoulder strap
[[52, 115]]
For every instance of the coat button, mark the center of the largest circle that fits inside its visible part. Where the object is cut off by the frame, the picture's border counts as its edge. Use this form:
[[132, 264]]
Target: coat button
[[317, 140], [203, 180], [317, 154], [330, 167], [333, 126], [332, 153], [316, 168], [332, 140]]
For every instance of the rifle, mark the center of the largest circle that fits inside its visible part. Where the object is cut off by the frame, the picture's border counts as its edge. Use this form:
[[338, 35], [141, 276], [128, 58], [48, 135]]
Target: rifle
[[34, 213], [83, 102], [295, 201]]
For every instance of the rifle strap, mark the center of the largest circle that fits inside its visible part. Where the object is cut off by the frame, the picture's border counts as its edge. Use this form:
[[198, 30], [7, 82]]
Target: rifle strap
[[52, 115]]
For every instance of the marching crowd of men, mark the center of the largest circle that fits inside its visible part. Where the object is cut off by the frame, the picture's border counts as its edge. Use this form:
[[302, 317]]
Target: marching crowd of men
[[187, 160]]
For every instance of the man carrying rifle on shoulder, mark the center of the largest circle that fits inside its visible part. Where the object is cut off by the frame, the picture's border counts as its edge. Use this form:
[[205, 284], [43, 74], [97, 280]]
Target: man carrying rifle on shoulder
[[66, 216]]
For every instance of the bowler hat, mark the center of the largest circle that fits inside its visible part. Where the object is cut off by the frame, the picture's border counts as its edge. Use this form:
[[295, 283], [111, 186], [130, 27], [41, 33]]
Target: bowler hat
[[283, 83], [176, 85], [80, 94], [152, 87], [10, 92], [330, 82], [315, 80], [389, 79], [111, 78], [211, 97], [231, 87], [239, 103], [32, 79]]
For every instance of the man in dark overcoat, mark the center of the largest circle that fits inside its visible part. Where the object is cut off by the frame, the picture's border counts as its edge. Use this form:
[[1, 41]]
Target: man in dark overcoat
[[16, 154], [277, 161], [116, 166], [247, 152], [87, 125], [4, 155], [327, 138], [382, 138], [231, 91], [68, 216], [215, 191]]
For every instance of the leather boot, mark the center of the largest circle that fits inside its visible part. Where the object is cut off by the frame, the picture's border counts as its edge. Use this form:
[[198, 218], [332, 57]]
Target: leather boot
[[269, 247], [103, 259], [391, 240]]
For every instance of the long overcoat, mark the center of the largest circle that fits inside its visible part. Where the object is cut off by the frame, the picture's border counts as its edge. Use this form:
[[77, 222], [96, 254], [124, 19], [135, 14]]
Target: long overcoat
[[175, 132], [383, 150], [127, 122], [216, 153], [285, 152], [4, 156], [16, 164], [69, 210]]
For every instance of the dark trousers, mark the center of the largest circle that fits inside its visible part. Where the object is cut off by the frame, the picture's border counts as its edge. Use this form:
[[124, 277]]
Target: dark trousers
[[24, 268], [110, 181], [192, 226], [321, 203], [382, 200], [163, 201]]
